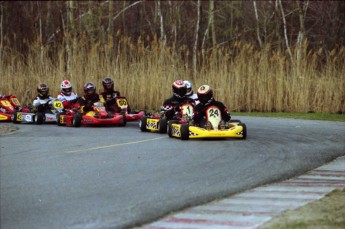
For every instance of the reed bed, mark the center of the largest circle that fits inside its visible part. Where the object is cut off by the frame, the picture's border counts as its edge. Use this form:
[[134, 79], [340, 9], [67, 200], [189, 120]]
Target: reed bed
[[244, 78]]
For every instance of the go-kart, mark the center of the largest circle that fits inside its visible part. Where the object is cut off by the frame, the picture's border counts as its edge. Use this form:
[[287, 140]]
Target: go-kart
[[49, 115], [98, 116], [8, 105], [122, 103], [158, 122], [212, 127]]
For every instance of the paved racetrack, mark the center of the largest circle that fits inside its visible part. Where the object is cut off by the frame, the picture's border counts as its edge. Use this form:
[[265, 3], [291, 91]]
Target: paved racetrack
[[119, 177]]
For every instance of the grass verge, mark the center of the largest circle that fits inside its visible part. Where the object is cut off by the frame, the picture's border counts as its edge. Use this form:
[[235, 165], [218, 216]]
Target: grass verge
[[307, 116], [328, 212]]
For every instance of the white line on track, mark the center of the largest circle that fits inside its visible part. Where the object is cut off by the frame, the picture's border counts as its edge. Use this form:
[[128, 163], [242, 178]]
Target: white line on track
[[114, 145]]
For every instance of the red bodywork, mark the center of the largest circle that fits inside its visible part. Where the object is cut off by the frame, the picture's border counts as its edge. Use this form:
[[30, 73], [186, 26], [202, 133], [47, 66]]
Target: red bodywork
[[8, 105]]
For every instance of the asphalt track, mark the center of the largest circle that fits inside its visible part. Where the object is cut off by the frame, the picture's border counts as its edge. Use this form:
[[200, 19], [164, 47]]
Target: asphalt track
[[119, 177]]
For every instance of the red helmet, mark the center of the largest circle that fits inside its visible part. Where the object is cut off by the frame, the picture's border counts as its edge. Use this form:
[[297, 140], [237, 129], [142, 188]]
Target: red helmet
[[108, 84], [43, 90], [179, 88], [89, 87], [205, 94]]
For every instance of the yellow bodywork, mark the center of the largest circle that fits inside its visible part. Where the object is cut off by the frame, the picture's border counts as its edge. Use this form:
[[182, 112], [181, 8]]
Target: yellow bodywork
[[152, 124], [234, 131]]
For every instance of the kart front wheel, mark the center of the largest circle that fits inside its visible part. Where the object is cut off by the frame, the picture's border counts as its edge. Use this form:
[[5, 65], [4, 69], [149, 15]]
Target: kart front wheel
[[76, 121], [244, 131], [169, 127], [14, 117], [162, 126], [184, 132], [143, 123], [39, 118]]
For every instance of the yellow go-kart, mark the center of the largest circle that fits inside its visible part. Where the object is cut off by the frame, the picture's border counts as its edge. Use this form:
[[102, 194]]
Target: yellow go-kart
[[212, 127]]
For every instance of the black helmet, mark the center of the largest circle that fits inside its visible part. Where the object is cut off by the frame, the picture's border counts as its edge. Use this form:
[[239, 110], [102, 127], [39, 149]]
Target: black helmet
[[108, 83], [43, 90], [205, 94], [179, 88], [89, 86]]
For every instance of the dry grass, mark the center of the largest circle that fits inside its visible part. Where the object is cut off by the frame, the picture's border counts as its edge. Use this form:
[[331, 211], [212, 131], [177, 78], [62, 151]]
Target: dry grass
[[243, 78]]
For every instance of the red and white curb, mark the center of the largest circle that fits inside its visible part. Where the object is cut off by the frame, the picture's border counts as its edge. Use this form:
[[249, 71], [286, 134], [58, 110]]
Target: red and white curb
[[254, 207]]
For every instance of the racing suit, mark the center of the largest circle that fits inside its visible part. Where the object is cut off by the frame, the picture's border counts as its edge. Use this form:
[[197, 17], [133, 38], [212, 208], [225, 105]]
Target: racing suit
[[199, 116], [43, 103], [68, 100], [172, 105], [87, 102]]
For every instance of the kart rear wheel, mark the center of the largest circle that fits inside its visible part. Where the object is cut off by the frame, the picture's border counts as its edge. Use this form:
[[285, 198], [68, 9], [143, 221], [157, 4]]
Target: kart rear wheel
[[184, 132], [235, 120], [143, 123], [39, 118], [124, 120], [76, 121], [58, 120], [169, 127], [162, 126], [244, 131]]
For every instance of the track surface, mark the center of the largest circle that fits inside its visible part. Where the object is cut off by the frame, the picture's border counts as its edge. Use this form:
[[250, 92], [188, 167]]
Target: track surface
[[119, 177]]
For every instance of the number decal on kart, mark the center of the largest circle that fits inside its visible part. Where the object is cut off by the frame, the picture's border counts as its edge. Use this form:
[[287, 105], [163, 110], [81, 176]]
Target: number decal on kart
[[58, 104], [19, 117], [214, 113], [214, 116], [15, 101], [187, 109], [122, 102], [5, 103]]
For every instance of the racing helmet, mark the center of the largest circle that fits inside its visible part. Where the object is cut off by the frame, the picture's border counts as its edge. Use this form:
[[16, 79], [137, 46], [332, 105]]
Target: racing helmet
[[43, 90], [108, 84], [205, 94], [189, 88], [89, 88], [66, 87], [179, 88]]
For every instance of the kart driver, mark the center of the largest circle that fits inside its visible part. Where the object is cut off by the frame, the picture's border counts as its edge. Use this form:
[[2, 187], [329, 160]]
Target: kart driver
[[205, 95], [109, 95], [190, 93], [43, 100], [90, 97], [172, 104], [67, 96]]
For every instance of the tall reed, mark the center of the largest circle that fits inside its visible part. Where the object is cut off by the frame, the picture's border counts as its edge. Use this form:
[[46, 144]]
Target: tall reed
[[244, 78]]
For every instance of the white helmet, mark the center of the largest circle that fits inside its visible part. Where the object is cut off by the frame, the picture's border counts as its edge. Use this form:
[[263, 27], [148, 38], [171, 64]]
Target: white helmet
[[66, 87], [189, 88]]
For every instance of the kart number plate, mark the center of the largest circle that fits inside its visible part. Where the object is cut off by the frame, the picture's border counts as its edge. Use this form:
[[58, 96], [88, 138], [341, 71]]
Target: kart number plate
[[5, 103], [58, 104], [122, 103]]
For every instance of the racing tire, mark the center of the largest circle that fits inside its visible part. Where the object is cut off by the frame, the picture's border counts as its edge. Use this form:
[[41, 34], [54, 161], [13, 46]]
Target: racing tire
[[169, 127], [184, 132], [162, 126], [244, 130], [76, 121], [58, 120], [143, 123], [39, 117], [124, 120], [235, 120], [14, 117]]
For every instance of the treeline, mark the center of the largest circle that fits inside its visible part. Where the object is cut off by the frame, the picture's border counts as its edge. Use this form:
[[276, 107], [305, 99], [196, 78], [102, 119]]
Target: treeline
[[197, 25]]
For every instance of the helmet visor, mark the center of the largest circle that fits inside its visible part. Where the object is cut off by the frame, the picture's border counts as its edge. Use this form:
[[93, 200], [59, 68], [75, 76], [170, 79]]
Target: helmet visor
[[181, 91]]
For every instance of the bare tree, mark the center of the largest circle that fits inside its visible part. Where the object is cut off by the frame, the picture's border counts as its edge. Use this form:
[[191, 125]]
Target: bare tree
[[285, 29], [257, 24], [301, 34], [196, 39], [161, 22]]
